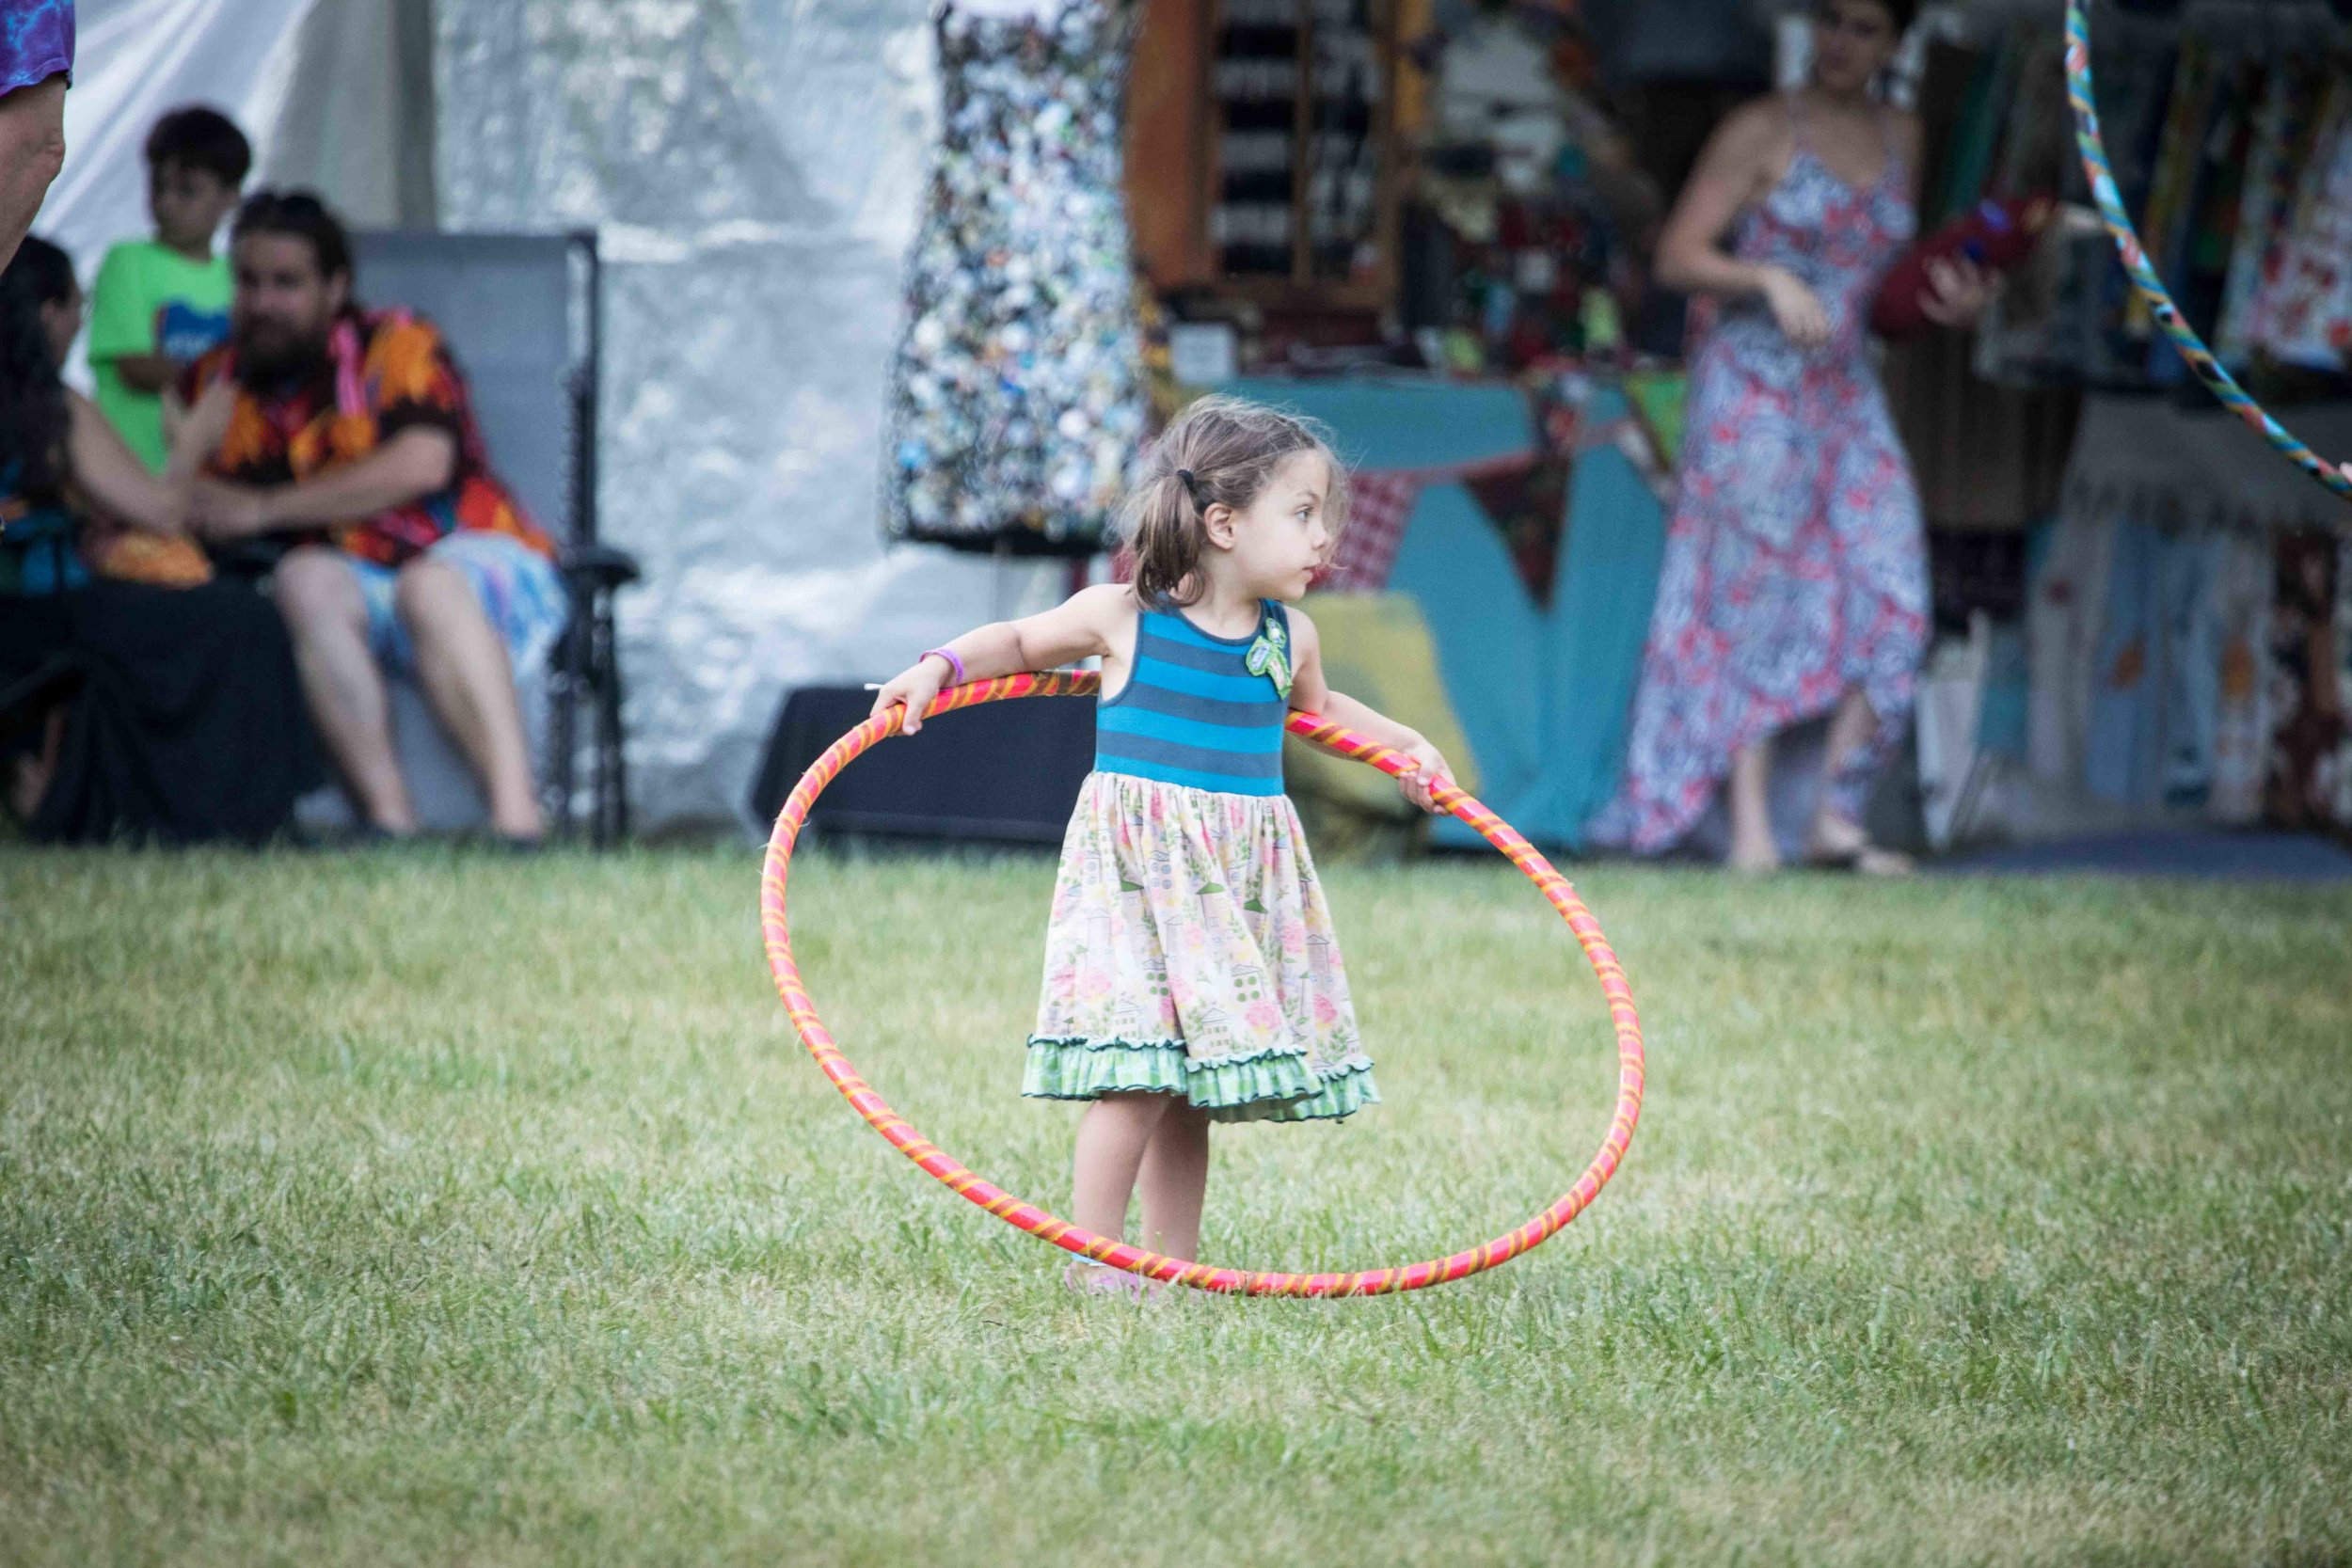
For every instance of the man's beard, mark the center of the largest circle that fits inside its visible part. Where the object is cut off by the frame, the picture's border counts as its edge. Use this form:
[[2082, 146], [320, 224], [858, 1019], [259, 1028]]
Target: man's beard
[[277, 358]]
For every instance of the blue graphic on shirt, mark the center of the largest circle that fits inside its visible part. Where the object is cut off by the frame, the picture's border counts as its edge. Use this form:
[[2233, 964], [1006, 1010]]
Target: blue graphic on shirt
[[36, 41], [183, 332]]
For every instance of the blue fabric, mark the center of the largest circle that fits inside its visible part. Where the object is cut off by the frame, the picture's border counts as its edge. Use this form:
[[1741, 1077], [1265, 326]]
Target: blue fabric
[[2121, 745], [1192, 714], [1490, 642], [1142, 723], [1206, 657], [1224, 690], [185, 333], [45, 547], [1605, 586], [519, 588], [1406, 424], [2004, 713], [2190, 570], [36, 41], [1205, 711], [40, 547], [1543, 698]]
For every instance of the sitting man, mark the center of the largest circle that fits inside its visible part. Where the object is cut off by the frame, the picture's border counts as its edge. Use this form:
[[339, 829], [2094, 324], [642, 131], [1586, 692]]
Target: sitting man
[[348, 434]]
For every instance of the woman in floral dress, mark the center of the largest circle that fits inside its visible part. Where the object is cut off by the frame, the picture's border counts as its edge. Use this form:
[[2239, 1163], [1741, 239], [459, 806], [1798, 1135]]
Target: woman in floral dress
[[1794, 583]]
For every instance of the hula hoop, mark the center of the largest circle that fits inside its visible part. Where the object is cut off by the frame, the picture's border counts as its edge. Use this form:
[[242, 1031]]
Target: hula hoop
[[1119, 1255], [2110, 203]]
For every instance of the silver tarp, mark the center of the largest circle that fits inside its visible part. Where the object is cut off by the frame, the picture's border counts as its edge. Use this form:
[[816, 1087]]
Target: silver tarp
[[755, 169]]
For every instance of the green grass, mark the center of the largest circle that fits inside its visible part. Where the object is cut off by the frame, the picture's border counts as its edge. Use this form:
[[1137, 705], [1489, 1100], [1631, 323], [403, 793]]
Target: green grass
[[456, 1209]]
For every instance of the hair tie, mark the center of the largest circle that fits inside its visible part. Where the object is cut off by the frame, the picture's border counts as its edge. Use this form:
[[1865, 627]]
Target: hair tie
[[1191, 486]]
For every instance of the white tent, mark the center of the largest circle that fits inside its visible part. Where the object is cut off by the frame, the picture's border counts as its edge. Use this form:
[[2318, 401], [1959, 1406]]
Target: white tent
[[755, 170], [287, 71]]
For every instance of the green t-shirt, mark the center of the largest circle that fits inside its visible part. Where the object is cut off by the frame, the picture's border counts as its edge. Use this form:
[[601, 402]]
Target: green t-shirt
[[150, 299]]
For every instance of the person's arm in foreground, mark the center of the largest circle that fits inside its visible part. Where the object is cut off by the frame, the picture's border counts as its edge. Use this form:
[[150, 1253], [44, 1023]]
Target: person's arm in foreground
[[32, 150]]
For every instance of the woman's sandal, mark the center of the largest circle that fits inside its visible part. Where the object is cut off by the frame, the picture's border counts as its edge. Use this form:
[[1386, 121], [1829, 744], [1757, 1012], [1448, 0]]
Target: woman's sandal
[[1845, 846]]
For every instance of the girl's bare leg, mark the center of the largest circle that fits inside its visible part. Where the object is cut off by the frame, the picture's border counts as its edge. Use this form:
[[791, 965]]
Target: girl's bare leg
[[1112, 1137], [1175, 1179]]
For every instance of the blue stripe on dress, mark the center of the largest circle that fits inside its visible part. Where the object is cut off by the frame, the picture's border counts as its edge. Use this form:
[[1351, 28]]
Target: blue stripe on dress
[[1224, 739], [1189, 656], [1243, 687], [1200, 710], [1160, 626], [1175, 753], [1215, 783]]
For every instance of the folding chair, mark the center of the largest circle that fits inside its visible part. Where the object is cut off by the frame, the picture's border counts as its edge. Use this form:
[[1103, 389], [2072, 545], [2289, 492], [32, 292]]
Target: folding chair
[[522, 315]]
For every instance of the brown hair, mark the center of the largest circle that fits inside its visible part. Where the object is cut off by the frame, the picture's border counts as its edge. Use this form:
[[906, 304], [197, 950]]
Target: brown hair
[[1901, 13], [201, 138], [297, 215], [1220, 450]]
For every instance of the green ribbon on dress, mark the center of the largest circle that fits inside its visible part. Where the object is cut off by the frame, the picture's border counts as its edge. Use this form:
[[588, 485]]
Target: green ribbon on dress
[[1270, 656]]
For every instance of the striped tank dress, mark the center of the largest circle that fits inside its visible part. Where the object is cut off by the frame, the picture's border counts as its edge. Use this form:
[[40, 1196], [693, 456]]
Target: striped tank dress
[[1191, 949]]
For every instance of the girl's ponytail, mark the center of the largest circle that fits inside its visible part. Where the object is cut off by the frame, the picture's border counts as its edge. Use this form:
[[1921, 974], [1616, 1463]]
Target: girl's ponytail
[[1166, 529], [1220, 451]]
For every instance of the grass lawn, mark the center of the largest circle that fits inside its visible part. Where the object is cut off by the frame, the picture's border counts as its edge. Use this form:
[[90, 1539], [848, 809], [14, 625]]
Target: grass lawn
[[450, 1209]]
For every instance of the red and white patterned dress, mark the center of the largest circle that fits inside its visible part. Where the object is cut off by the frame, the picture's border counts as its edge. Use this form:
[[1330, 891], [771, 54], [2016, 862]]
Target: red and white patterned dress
[[1795, 565]]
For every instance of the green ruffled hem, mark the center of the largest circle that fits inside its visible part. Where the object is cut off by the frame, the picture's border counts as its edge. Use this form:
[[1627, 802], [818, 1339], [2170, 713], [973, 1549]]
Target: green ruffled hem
[[1272, 1085]]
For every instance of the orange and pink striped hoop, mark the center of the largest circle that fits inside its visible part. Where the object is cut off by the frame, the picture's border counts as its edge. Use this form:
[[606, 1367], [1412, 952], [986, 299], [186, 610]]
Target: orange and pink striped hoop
[[1119, 1255]]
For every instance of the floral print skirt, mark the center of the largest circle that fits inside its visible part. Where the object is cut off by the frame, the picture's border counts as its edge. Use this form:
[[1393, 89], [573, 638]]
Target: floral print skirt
[[1191, 952]]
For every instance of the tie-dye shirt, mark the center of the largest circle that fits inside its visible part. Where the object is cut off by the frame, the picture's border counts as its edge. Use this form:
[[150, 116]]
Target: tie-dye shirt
[[36, 41], [387, 372]]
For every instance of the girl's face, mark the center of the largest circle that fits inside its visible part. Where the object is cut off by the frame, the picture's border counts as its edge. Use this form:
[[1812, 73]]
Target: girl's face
[[1852, 41], [1274, 547]]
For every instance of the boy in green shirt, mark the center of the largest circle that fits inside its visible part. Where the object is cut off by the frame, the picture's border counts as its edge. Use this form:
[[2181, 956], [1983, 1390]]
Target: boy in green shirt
[[159, 305]]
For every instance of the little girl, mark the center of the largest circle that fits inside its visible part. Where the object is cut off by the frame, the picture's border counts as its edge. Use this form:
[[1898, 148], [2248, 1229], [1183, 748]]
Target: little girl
[[1191, 973]]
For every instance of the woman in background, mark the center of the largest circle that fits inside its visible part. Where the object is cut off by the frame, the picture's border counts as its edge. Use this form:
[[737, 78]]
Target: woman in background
[[1794, 584], [137, 698]]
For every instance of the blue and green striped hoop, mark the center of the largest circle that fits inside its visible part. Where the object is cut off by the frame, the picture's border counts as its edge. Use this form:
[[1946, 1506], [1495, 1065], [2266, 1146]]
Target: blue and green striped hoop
[[2110, 203]]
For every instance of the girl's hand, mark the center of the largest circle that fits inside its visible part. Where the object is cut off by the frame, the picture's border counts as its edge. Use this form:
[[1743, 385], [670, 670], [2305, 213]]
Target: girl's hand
[[914, 687], [1795, 309], [1429, 775]]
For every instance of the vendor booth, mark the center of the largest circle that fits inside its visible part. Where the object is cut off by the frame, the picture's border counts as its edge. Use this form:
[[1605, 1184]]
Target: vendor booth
[[891, 297]]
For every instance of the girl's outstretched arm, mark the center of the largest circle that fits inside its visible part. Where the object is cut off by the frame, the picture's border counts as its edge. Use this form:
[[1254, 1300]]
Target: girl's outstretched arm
[[1310, 693], [1092, 622]]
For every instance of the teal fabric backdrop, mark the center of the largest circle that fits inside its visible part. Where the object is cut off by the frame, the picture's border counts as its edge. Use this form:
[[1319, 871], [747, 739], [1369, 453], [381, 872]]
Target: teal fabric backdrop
[[1542, 695]]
